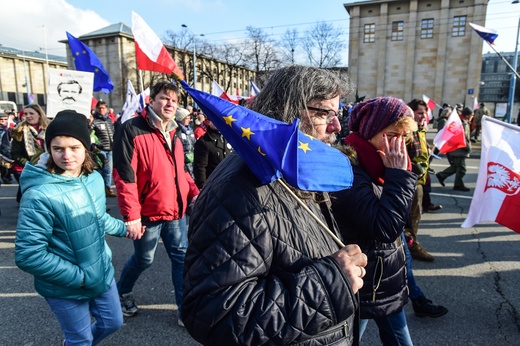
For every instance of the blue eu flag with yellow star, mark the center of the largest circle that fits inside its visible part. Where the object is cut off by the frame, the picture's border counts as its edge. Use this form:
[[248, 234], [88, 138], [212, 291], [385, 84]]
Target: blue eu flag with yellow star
[[85, 60], [273, 149]]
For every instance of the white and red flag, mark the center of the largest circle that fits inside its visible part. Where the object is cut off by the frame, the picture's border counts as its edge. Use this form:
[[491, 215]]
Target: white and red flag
[[451, 136], [497, 194], [475, 103], [217, 90], [150, 52], [431, 105]]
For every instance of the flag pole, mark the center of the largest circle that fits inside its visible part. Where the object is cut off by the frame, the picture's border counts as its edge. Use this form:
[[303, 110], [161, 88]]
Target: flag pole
[[324, 226], [500, 122], [511, 67], [141, 81]]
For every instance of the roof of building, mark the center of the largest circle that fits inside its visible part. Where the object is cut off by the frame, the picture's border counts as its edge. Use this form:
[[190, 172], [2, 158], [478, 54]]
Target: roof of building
[[117, 28], [31, 54]]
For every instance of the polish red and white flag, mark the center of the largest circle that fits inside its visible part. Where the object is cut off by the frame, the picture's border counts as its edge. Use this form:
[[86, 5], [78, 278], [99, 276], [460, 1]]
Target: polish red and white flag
[[451, 136], [217, 90], [431, 106], [150, 52], [497, 194]]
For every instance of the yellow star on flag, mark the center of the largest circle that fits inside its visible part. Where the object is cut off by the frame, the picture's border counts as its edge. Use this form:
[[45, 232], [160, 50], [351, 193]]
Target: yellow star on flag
[[84, 52], [312, 138], [96, 70], [229, 120], [77, 53], [247, 132], [304, 147]]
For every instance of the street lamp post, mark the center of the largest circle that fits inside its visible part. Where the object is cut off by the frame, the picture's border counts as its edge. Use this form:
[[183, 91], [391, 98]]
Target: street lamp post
[[512, 84]]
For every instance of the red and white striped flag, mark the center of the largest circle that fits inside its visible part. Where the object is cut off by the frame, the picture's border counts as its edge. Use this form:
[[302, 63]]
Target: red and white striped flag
[[431, 105], [451, 136], [217, 90], [497, 194], [475, 103], [150, 52]]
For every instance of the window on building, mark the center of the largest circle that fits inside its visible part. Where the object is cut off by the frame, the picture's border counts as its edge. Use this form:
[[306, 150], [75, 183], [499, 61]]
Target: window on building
[[427, 28], [370, 33], [459, 26], [397, 31]]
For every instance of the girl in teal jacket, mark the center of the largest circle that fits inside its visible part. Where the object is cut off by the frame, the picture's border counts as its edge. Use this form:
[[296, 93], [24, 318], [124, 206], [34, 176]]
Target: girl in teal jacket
[[60, 236]]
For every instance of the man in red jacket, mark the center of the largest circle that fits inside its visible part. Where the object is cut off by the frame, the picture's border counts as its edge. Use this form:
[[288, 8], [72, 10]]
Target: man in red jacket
[[154, 190]]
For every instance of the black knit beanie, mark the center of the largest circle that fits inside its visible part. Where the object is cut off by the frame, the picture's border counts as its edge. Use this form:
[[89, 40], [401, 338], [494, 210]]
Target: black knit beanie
[[369, 117], [71, 124]]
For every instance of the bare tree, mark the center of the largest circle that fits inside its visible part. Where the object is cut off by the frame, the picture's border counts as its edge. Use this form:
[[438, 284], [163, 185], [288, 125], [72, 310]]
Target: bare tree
[[233, 56], [261, 52], [289, 43], [323, 44]]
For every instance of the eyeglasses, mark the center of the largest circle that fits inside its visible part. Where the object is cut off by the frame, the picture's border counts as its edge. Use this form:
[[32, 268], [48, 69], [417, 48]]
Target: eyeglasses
[[330, 114]]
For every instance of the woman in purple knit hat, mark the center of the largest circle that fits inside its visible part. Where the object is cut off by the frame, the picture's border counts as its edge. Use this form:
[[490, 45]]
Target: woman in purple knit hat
[[374, 211]]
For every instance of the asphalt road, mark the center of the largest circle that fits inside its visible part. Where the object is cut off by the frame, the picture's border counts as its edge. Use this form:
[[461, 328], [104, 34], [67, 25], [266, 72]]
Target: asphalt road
[[476, 274]]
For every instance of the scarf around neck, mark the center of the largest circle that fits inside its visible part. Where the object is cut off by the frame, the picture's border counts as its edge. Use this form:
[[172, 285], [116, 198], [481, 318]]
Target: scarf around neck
[[31, 136], [369, 158]]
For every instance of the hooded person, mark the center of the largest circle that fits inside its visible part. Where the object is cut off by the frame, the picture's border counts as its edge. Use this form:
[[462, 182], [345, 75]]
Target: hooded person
[[60, 235], [374, 211]]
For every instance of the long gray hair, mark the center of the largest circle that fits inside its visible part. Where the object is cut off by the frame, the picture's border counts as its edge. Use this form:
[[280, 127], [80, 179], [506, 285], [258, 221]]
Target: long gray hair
[[289, 90]]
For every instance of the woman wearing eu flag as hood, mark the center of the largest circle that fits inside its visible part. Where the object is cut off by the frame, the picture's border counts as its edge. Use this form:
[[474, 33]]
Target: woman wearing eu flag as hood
[[259, 269]]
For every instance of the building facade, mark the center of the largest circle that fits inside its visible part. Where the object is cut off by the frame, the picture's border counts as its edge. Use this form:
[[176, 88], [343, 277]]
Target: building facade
[[23, 75], [409, 48], [495, 83]]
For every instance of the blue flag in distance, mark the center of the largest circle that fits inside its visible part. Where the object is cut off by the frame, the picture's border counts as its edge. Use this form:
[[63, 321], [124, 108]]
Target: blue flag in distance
[[85, 60], [273, 149], [488, 35]]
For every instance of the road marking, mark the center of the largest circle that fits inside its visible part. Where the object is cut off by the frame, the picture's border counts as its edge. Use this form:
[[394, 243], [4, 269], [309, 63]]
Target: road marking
[[450, 195], [445, 166]]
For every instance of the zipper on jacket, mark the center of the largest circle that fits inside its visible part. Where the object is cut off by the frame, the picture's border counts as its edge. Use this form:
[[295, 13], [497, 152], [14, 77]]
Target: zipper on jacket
[[375, 280]]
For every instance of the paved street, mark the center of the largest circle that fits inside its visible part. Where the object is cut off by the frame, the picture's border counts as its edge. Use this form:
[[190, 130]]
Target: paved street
[[476, 274]]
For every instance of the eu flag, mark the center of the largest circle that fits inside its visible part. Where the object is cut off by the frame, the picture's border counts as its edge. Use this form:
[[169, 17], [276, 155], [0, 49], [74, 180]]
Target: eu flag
[[85, 60], [273, 149]]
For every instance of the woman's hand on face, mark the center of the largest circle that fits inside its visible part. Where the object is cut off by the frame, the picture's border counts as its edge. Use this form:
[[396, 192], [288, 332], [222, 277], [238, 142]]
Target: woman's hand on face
[[394, 154]]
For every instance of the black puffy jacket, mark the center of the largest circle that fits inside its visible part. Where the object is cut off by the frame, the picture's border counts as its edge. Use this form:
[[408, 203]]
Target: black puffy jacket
[[104, 130], [374, 216], [257, 270], [209, 150]]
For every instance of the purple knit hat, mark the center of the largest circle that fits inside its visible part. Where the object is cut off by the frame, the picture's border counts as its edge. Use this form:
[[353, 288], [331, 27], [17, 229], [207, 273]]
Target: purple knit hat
[[369, 117]]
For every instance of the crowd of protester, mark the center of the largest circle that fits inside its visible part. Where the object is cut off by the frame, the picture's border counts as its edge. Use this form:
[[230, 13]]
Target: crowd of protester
[[247, 265]]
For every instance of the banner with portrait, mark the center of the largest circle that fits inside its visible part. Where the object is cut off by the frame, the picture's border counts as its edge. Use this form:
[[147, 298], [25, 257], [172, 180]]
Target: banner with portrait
[[69, 90]]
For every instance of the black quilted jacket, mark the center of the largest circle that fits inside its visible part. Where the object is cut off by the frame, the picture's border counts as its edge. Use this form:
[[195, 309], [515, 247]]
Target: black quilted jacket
[[256, 269], [104, 130], [373, 217]]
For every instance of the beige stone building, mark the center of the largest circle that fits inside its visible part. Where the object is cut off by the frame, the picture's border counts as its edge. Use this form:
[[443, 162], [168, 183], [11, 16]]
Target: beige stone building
[[24, 73], [407, 48]]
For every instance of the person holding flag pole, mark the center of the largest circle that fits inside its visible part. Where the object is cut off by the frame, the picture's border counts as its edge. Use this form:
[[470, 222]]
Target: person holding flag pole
[[454, 140], [154, 189]]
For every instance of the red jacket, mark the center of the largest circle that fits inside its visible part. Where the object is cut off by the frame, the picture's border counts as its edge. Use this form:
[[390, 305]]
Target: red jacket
[[150, 178]]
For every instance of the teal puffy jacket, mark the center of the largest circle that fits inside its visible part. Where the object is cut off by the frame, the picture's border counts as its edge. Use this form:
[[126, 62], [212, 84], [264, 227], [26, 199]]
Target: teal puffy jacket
[[60, 236]]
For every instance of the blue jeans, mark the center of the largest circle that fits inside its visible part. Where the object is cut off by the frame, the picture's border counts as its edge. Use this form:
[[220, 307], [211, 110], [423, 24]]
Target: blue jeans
[[414, 291], [106, 172], [393, 329], [75, 321], [173, 235]]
